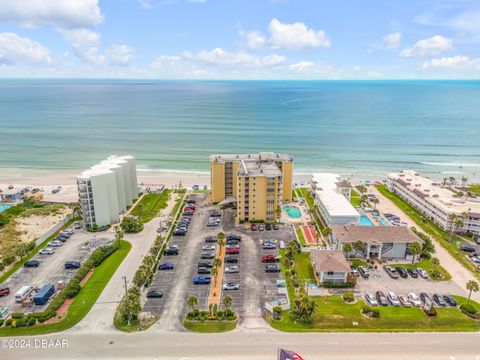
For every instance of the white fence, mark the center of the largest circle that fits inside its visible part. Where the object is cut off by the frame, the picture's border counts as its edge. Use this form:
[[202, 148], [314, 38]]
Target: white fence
[[54, 229]]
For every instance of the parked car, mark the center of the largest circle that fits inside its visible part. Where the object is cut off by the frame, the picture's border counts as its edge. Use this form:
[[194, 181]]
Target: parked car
[[282, 245], [381, 298], [209, 247], [261, 228], [402, 272], [363, 272], [392, 272], [171, 250], [207, 255], [233, 237], [438, 299], [72, 265], [32, 264], [231, 286], [413, 273], [371, 300], [276, 227], [47, 251], [77, 225], [55, 243], [211, 239], [475, 259], [215, 213], [393, 298], [450, 300], [203, 270], [253, 227], [232, 269], [422, 273], [268, 227], [200, 280], [205, 264], [426, 299], [471, 249], [232, 251], [270, 258], [154, 294], [166, 266], [272, 268], [231, 259], [4, 290], [414, 300], [191, 201], [178, 232], [404, 301], [232, 242]]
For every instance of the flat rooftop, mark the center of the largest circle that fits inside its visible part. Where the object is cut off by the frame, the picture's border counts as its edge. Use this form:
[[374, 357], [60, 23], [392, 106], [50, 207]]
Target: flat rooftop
[[329, 194], [434, 192], [259, 168], [104, 166], [263, 156]]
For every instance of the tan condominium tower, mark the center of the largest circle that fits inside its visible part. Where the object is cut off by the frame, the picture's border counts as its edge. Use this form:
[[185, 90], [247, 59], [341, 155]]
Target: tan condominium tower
[[258, 183]]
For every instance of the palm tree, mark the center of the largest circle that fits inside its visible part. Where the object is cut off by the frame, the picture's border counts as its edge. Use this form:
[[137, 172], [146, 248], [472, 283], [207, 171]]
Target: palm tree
[[471, 286], [214, 273], [451, 219], [359, 246], [364, 198], [347, 248], [118, 234], [221, 239], [227, 301], [415, 249], [375, 202], [444, 182], [325, 233], [192, 301], [435, 262], [217, 262], [451, 180]]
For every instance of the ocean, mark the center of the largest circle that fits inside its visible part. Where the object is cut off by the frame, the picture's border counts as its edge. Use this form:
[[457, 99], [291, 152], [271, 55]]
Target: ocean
[[362, 128]]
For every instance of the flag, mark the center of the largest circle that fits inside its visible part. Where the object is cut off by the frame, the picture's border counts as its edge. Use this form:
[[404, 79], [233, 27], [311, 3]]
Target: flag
[[288, 355]]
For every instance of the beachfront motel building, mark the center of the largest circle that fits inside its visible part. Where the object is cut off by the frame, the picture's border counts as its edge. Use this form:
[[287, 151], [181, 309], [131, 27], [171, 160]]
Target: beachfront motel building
[[258, 183], [435, 201], [107, 189]]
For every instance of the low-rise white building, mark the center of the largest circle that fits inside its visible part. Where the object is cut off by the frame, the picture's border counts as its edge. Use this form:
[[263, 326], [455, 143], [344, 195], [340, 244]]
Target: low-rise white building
[[437, 202], [107, 189], [332, 196]]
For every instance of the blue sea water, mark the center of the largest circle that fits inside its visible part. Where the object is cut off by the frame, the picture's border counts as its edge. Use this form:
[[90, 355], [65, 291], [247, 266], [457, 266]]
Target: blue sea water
[[367, 127]]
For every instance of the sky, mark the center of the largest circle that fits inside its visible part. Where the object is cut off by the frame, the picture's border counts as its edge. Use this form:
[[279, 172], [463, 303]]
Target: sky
[[240, 39]]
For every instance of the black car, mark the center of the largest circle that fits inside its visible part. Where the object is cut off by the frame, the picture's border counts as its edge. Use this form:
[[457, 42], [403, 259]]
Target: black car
[[191, 201], [232, 242], [211, 239], [205, 265], [233, 237], [276, 227], [231, 259], [402, 272], [171, 251], [413, 273], [450, 300], [72, 265], [381, 298], [268, 227], [468, 249], [215, 213], [154, 294], [179, 232], [32, 264], [272, 268], [203, 270], [438, 299]]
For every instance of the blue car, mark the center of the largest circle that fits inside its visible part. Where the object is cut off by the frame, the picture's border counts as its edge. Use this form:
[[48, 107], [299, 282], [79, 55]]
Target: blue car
[[166, 266], [198, 280]]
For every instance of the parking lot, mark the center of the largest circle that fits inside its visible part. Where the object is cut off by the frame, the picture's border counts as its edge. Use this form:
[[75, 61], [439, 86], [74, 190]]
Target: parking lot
[[52, 267], [256, 286]]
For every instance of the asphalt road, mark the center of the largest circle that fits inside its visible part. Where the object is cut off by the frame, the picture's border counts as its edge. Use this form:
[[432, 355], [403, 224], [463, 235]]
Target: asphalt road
[[238, 345]]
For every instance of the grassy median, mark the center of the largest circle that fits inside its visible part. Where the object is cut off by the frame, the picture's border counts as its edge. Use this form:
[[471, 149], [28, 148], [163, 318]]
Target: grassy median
[[150, 205], [209, 326], [83, 302]]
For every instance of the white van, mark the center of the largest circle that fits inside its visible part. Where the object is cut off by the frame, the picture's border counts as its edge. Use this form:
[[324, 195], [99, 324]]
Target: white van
[[23, 293]]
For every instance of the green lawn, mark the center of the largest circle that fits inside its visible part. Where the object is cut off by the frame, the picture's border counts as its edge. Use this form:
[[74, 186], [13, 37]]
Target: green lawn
[[85, 299], [333, 314], [209, 326], [306, 195], [428, 267], [355, 200], [34, 252], [304, 270], [443, 237], [358, 262], [301, 237], [475, 189], [150, 205]]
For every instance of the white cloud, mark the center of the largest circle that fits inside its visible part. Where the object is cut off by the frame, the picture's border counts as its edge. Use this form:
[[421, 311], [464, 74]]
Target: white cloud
[[165, 61], [453, 62], [119, 54], [85, 43], [302, 66], [429, 47], [20, 50], [59, 13], [392, 41], [219, 56], [293, 36]]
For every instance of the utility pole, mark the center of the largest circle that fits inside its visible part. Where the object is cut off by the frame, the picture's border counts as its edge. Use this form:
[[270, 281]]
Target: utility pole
[[126, 299]]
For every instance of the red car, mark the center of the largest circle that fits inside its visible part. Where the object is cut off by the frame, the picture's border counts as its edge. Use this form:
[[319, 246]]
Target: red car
[[4, 291], [270, 258], [232, 251], [253, 227], [186, 209]]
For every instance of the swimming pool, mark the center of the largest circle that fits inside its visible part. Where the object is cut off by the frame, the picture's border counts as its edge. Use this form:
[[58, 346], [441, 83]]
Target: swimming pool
[[4, 207], [365, 221], [293, 211]]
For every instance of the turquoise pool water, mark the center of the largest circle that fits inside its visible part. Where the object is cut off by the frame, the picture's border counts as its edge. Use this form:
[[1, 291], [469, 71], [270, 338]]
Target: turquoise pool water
[[4, 207], [365, 221], [293, 211]]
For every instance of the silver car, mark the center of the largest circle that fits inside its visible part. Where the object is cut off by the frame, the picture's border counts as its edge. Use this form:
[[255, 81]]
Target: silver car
[[393, 298], [232, 269], [371, 300], [47, 251]]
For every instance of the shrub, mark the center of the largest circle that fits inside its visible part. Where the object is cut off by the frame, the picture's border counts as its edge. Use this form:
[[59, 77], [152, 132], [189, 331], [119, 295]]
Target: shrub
[[468, 309], [32, 321], [348, 297], [336, 286], [131, 224], [17, 315], [73, 288], [366, 309], [8, 260], [8, 322], [1, 322], [375, 313], [431, 312]]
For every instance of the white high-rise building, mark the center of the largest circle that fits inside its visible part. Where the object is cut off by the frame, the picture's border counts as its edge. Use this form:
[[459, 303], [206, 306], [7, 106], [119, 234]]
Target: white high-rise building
[[107, 189]]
